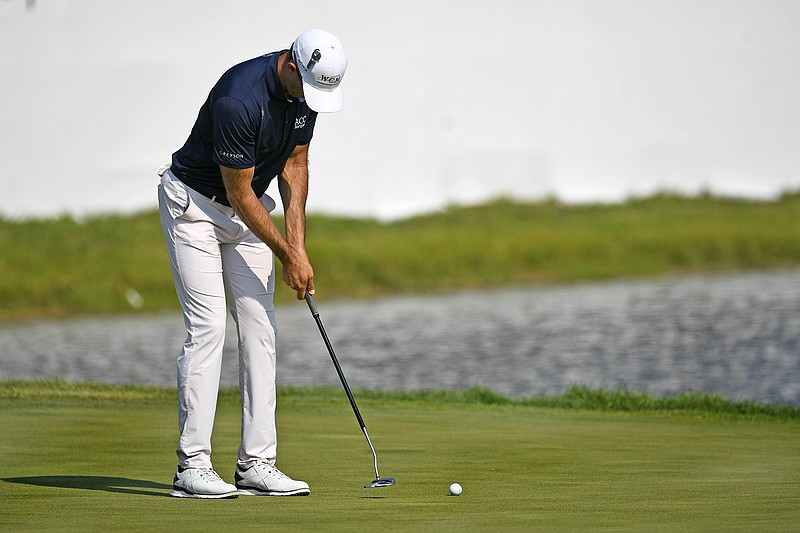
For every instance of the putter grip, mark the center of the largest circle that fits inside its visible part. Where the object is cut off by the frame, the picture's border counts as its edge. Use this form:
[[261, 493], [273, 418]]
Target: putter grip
[[311, 304]]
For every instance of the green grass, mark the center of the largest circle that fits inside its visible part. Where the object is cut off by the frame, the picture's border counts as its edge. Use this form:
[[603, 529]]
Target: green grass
[[59, 267], [576, 397], [91, 457]]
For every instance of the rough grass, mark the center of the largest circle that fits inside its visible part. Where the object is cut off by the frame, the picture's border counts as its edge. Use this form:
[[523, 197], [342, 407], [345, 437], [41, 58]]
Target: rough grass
[[75, 463], [59, 267]]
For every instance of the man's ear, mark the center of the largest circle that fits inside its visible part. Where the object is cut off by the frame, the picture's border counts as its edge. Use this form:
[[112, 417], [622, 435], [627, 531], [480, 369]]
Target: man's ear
[[291, 63]]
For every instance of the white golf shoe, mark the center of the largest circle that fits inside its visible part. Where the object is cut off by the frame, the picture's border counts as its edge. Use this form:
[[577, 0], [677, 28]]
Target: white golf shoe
[[201, 483], [263, 479]]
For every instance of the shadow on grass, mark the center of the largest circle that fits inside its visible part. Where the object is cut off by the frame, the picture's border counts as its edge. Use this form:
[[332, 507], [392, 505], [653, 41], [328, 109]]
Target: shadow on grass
[[108, 484]]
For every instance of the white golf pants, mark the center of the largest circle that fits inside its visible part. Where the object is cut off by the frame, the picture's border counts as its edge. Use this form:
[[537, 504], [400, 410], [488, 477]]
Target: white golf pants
[[212, 252]]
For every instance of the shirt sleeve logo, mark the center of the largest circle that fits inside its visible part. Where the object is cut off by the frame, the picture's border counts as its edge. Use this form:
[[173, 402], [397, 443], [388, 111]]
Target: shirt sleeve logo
[[229, 155], [299, 122]]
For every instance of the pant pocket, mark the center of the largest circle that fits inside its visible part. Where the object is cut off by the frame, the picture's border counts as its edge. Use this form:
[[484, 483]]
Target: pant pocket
[[268, 203], [177, 197]]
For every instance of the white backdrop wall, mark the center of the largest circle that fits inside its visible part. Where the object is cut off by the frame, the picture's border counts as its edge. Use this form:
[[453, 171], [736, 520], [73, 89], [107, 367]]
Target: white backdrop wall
[[445, 101]]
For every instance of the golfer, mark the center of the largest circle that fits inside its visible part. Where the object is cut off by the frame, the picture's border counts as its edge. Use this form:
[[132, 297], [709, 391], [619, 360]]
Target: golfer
[[255, 126]]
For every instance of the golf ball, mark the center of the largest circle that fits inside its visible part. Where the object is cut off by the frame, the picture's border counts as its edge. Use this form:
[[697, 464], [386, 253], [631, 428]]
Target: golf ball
[[455, 489]]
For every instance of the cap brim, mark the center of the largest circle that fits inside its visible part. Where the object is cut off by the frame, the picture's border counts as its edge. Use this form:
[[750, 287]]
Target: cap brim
[[323, 101]]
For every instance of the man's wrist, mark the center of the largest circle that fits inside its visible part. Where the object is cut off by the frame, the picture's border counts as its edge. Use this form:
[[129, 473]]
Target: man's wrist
[[291, 254]]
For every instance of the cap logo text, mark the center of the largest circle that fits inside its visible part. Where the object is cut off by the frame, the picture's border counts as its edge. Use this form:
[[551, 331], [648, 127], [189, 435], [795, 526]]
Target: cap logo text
[[329, 80]]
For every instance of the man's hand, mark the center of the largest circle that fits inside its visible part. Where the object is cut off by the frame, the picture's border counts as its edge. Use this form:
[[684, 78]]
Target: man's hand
[[298, 274]]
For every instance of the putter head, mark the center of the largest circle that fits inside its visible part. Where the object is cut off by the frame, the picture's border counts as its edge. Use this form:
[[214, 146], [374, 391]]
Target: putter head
[[381, 482]]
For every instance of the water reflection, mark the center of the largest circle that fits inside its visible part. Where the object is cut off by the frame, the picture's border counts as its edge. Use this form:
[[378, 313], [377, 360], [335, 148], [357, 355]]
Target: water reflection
[[737, 335]]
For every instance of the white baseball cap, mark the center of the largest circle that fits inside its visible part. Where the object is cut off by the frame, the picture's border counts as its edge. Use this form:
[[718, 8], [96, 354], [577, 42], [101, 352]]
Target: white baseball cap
[[321, 61]]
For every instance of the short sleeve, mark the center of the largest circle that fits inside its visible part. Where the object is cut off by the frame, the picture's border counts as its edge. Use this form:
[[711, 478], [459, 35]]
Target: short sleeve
[[233, 133]]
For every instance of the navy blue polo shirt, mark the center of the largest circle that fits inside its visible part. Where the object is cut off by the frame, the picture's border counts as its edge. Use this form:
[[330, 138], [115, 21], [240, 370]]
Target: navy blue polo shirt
[[247, 121]]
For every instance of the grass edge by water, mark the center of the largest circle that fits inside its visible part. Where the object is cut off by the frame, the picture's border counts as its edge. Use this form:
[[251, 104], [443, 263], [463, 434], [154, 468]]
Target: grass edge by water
[[576, 397]]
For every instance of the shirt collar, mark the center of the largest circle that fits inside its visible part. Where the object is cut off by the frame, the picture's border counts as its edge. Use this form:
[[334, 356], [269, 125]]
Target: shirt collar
[[274, 83]]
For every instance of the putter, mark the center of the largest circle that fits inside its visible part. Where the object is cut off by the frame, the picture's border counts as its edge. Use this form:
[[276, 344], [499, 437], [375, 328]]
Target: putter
[[378, 481]]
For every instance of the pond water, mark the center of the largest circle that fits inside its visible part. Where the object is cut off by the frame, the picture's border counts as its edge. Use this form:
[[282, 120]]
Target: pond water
[[737, 335]]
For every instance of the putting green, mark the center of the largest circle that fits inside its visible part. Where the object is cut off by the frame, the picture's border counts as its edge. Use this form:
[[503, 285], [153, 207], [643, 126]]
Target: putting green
[[81, 465]]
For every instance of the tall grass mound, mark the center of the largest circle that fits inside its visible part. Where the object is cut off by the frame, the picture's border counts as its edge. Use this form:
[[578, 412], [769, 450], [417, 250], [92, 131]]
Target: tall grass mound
[[116, 264]]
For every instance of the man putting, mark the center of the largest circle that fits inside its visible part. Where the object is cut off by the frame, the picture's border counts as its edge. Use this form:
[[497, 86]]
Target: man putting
[[256, 125]]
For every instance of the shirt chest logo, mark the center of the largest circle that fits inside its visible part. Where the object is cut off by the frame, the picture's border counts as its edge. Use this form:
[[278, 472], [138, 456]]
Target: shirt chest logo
[[299, 122]]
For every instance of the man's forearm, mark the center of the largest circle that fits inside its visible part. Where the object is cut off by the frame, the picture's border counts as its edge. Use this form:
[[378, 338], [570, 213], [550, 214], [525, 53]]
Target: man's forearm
[[252, 211], [294, 207], [293, 187]]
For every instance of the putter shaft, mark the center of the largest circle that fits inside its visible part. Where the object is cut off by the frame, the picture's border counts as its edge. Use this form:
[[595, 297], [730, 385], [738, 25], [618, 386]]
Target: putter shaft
[[379, 482]]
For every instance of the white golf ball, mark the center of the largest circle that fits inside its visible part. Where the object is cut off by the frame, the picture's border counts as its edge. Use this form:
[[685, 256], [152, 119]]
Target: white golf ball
[[455, 489]]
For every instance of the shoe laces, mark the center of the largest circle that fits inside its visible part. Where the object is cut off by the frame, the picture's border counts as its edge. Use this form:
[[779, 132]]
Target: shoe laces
[[269, 466], [209, 474]]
